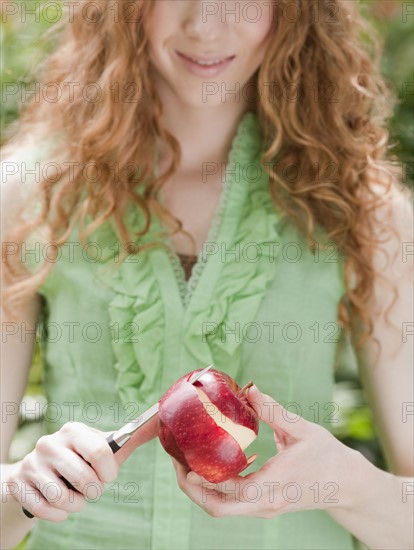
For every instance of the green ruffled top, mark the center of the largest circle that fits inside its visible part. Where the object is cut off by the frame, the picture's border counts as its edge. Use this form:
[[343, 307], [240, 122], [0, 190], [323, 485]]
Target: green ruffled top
[[258, 305]]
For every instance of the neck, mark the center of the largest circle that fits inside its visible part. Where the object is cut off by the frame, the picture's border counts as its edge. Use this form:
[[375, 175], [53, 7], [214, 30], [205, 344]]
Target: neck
[[204, 133]]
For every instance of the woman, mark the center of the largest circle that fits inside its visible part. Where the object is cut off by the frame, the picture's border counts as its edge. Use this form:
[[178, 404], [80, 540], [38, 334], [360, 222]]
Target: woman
[[263, 178]]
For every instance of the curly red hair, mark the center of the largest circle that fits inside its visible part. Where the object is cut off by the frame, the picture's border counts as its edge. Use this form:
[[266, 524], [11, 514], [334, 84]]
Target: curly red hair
[[334, 132]]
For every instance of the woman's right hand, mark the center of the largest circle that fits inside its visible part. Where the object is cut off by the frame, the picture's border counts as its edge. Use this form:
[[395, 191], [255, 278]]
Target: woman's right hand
[[76, 452]]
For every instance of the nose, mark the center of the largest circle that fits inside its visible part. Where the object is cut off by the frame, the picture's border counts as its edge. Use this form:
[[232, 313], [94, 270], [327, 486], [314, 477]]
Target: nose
[[203, 21]]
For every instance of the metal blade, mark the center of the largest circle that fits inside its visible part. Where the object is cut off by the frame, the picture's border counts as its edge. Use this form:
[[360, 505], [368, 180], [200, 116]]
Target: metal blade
[[122, 435], [125, 433], [197, 375]]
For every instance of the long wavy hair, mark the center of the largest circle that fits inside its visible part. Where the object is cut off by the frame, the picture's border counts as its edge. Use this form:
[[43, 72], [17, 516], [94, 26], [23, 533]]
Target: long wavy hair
[[333, 132]]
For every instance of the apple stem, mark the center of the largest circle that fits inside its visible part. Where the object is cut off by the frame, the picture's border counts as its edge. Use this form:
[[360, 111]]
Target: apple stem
[[244, 388]]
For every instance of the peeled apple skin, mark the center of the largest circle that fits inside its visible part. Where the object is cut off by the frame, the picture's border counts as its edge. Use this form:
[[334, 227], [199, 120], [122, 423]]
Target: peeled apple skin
[[193, 437]]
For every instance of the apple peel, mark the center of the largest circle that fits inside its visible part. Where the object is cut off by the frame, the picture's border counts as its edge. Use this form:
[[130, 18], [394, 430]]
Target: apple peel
[[243, 435], [206, 426]]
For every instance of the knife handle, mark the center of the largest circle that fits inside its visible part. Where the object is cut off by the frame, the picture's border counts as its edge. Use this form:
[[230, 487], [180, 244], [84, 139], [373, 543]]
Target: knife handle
[[114, 448], [112, 443]]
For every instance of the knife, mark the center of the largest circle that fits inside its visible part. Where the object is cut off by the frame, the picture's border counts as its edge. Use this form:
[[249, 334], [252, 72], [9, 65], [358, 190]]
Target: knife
[[117, 439]]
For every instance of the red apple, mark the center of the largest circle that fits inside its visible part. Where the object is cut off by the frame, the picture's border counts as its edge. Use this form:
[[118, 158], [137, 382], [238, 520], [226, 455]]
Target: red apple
[[207, 425]]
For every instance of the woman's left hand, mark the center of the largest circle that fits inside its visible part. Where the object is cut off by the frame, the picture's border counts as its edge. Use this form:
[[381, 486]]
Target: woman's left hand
[[312, 469]]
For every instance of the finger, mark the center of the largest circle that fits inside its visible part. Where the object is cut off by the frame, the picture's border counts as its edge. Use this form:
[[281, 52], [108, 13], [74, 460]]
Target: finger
[[279, 441], [93, 448], [195, 479], [287, 425], [78, 472], [239, 487], [57, 494], [34, 502], [196, 492], [180, 470], [227, 486], [217, 499], [147, 432], [229, 502]]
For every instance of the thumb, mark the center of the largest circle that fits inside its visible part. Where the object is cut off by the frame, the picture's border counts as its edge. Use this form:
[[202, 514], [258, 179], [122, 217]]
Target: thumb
[[288, 426], [144, 434]]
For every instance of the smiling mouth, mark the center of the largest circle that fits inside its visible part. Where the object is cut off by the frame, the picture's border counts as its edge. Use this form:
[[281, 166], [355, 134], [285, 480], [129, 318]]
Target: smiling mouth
[[205, 62]]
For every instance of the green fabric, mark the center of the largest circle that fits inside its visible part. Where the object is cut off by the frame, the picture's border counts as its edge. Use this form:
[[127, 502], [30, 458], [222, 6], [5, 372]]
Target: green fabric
[[119, 333]]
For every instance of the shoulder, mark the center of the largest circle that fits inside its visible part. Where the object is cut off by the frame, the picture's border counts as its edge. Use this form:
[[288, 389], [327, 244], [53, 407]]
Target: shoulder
[[20, 170], [395, 207], [393, 229], [12, 196]]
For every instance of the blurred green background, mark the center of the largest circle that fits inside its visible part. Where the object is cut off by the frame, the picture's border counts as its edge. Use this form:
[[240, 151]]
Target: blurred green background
[[24, 44]]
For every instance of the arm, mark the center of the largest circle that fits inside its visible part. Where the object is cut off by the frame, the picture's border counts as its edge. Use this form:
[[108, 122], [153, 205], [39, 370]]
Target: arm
[[383, 510], [16, 358]]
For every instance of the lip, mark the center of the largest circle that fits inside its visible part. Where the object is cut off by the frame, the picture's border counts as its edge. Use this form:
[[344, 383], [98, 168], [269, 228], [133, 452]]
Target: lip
[[199, 70]]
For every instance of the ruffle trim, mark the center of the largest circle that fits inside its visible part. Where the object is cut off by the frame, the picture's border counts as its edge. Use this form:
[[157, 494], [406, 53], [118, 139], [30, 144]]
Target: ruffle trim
[[137, 312], [217, 330]]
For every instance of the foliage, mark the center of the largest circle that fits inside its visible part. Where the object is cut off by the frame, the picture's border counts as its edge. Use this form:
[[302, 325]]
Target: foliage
[[24, 44]]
